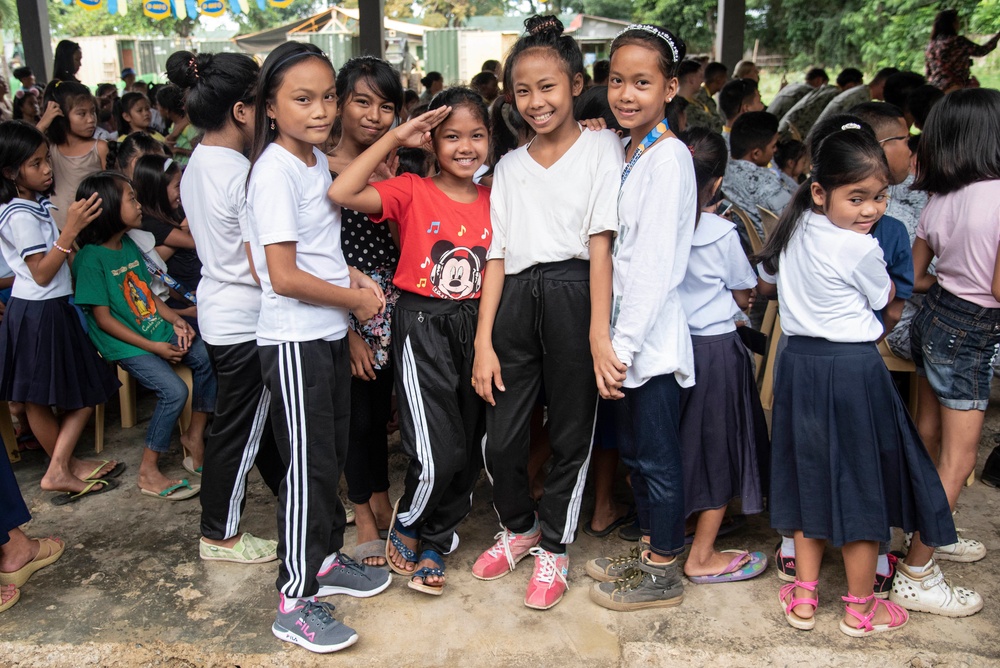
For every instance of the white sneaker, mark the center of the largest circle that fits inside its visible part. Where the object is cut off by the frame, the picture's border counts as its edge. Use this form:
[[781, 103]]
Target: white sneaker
[[965, 550], [930, 592]]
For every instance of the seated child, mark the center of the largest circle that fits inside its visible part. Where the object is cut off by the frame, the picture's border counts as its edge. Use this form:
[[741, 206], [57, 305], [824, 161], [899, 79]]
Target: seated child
[[748, 182]]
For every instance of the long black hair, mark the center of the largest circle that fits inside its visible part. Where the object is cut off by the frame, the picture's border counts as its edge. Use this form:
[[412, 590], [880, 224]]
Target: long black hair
[[68, 95], [151, 177], [171, 98], [507, 129], [380, 77], [848, 155], [944, 24], [271, 77], [960, 143], [710, 157], [109, 186], [124, 106], [18, 142], [215, 83], [63, 62]]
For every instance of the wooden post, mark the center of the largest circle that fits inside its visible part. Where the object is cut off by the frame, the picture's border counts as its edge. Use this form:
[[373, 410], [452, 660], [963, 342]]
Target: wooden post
[[371, 16], [36, 37]]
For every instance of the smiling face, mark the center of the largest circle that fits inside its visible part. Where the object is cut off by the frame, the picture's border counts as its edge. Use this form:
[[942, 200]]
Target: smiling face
[[35, 175], [461, 142], [637, 89], [131, 210], [304, 105], [543, 90], [855, 207], [365, 115], [174, 191]]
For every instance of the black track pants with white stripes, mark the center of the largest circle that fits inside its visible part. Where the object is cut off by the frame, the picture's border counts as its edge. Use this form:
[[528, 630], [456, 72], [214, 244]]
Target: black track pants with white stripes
[[310, 384], [440, 416], [239, 438], [542, 333]]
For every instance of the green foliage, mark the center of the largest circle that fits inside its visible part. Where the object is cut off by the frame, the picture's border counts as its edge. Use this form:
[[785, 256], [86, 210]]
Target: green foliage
[[692, 20], [8, 15], [612, 9], [456, 12]]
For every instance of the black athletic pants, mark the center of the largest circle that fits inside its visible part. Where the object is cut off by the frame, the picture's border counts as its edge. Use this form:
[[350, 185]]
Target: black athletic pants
[[542, 332], [440, 415], [367, 469], [310, 384], [240, 437]]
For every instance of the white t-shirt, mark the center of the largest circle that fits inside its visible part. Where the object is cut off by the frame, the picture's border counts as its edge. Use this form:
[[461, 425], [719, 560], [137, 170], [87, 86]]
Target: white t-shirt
[[27, 228], [548, 215], [716, 267], [287, 201], [656, 222], [830, 283], [213, 190]]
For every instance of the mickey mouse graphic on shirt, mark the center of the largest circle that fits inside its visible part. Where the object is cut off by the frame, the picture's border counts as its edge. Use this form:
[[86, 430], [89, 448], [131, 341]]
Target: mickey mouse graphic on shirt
[[458, 270]]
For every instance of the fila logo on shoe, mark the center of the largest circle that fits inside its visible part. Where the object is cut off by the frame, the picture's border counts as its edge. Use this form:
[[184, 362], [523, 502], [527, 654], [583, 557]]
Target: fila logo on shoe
[[309, 635]]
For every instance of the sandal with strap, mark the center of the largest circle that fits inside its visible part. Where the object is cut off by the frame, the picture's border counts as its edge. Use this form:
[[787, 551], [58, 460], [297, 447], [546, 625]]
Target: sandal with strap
[[402, 550], [788, 592], [897, 616], [426, 572]]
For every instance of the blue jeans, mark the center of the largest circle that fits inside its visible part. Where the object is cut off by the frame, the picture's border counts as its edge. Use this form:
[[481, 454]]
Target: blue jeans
[[157, 374], [954, 343], [648, 421]]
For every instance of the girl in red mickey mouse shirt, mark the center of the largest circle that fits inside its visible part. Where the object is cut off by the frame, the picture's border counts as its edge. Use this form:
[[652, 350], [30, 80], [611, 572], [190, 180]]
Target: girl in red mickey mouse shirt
[[444, 229]]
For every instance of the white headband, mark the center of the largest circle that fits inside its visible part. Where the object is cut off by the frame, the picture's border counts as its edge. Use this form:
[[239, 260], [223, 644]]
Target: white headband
[[653, 30]]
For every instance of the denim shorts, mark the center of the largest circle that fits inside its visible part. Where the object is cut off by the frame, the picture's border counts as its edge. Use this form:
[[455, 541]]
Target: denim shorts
[[954, 343]]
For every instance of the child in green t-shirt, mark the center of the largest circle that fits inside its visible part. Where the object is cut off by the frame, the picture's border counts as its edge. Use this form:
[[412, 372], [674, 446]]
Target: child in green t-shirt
[[133, 327]]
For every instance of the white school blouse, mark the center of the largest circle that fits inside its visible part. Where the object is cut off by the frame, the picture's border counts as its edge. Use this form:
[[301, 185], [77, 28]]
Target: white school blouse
[[213, 190], [27, 228], [716, 267], [548, 215], [287, 201], [830, 283], [656, 213]]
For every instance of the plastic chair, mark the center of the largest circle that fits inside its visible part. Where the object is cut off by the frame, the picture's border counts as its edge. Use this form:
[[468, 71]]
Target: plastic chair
[[768, 220], [756, 243]]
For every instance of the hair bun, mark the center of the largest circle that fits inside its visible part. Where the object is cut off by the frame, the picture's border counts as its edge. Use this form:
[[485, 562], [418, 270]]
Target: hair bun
[[539, 25], [183, 66]]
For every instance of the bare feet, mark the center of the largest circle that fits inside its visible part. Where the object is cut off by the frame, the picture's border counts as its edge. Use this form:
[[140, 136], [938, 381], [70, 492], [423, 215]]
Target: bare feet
[[84, 468], [62, 480], [154, 481]]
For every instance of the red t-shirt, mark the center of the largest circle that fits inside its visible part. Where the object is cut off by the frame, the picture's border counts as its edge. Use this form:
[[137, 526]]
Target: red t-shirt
[[443, 242]]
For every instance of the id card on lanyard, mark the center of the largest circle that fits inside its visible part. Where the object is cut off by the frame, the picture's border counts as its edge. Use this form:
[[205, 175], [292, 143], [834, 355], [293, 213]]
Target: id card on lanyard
[[658, 131]]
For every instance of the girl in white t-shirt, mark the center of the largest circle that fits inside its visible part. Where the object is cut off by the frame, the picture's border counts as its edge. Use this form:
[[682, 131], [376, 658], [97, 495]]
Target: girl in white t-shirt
[[723, 432], [546, 296], [46, 358], [219, 99], [956, 333], [307, 294], [847, 462]]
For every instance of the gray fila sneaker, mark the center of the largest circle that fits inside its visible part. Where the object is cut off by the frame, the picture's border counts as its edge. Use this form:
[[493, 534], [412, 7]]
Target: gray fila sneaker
[[310, 624], [611, 569], [648, 585], [346, 576]]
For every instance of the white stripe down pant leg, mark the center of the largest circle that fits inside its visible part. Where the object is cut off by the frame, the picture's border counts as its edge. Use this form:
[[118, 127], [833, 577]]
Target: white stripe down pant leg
[[310, 384]]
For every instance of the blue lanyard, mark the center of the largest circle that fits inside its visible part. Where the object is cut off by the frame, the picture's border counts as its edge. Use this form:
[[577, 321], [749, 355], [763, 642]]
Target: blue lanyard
[[167, 279], [658, 130]]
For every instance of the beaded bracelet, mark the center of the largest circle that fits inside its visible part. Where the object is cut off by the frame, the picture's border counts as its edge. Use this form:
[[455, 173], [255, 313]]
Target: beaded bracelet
[[60, 248]]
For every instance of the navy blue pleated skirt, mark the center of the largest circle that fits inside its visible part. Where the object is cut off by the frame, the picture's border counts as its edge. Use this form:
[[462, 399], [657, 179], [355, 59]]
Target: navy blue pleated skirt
[[724, 444], [847, 462], [13, 511], [46, 358]]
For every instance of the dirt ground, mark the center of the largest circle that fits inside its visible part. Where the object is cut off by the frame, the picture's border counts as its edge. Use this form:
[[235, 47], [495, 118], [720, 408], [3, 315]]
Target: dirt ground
[[131, 591]]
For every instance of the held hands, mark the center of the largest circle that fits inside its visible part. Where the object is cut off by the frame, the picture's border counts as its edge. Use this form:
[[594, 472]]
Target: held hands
[[608, 369], [486, 374], [82, 213], [371, 299], [362, 357], [416, 132]]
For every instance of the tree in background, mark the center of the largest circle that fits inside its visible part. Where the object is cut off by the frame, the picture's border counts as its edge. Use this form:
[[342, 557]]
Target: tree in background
[[692, 20]]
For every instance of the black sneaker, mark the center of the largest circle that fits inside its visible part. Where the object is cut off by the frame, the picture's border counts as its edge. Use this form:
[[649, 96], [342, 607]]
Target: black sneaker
[[310, 624], [346, 576], [991, 470], [786, 566]]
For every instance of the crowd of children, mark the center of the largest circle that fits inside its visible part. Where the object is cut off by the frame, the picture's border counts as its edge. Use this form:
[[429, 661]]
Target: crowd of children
[[592, 292]]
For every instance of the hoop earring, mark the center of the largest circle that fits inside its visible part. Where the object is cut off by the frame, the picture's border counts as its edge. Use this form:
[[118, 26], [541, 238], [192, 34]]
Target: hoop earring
[[272, 123]]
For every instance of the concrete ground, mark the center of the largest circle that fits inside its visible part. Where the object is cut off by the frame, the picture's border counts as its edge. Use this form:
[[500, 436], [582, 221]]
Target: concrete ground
[[131, 591]]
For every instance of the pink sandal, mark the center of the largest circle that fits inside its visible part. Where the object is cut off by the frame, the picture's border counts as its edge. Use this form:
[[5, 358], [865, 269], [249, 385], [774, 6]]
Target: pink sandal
[[897, 616], [787, 592]]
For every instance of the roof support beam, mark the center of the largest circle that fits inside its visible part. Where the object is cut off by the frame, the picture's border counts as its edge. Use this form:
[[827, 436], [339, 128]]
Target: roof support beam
[[729, 33], [371, 17], [36, 37]]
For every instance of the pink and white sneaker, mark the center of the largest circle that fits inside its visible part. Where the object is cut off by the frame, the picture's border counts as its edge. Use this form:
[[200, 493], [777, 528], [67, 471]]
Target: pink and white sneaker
[[548, 583], [502, 558]]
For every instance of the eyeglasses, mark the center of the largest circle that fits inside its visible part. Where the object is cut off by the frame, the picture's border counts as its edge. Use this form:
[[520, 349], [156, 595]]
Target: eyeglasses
[[888, 139]]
